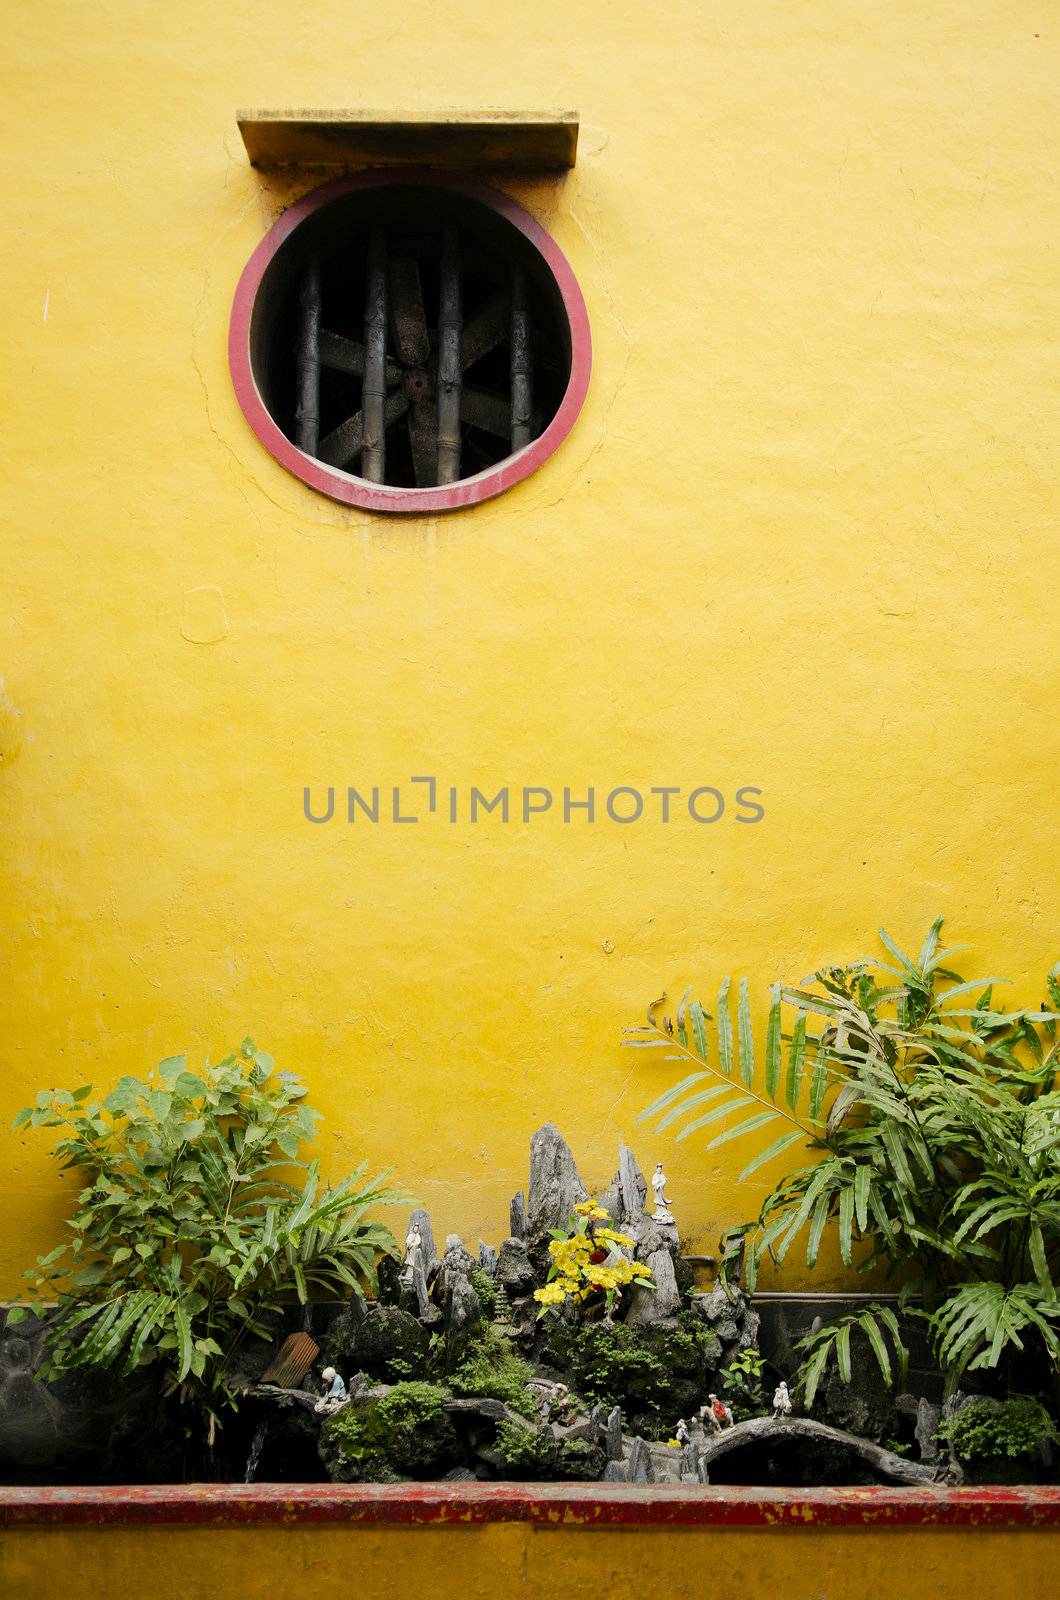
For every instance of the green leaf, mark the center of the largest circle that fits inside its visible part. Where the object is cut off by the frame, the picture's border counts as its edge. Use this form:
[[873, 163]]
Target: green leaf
[[842, 1352], [846, 1224], [817, 1224], [910, 969], [741, 1128], [671, 1095], [713, 1115], [1039, 1260], [796, 1055], [744, 1036], [862, 1188], [785, 1142], [697, 1017], [773, 1043], [870, 1327], [818, 1086], [724, 1029]]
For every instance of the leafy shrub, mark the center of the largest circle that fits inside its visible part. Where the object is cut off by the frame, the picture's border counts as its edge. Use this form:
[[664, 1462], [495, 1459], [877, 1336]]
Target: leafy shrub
[[931, 1117], [524, 1449], [655, 1374], [986, 1429], [535, 1453], [744, 1389], [197, 1220]]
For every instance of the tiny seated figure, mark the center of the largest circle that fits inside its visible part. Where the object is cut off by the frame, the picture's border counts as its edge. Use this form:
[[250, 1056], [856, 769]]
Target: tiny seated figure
[[334, 1395], [681, 1433], [662, 1213], [781, 1401], [716, 1414]]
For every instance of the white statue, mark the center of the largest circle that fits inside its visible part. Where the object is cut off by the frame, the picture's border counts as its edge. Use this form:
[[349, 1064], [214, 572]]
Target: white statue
[[413, 1241], [334, 1396], [781, 1401], [663, 1215], [681, 1433], [716, 1414]]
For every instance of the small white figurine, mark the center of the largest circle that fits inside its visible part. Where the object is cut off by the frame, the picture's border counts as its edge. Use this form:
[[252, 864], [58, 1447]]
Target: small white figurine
[[334, 1395], [663, 1215], [781, 1401], [717, 1415], [681, 1433], [413, 1242]]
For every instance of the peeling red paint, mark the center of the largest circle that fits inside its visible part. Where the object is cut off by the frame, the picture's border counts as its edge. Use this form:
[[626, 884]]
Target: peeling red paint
[[583, 1506]]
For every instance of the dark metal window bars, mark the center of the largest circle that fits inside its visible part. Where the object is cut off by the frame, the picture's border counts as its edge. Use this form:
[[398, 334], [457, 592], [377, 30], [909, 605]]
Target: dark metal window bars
[[412, 374]]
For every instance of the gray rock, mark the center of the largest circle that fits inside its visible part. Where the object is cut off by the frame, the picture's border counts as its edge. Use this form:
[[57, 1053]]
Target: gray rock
[[615, 1472], [457, 1256], [598, 1423], [724, 1311], [928, 1418], [650, 1237], [633, 1184], [463, 1306], [639, 1467], [479, 1406], [424, 1306], [613, 1435], [611, 1201], [487, 1258], [514, 1270], [750, 1323], [517, 1216], [661, 1304], [555, 1187]]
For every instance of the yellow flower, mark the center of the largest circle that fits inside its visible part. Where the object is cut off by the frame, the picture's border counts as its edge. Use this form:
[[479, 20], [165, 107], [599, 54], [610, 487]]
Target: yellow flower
[[640, 1268], [550, 1295], [584, 1208]]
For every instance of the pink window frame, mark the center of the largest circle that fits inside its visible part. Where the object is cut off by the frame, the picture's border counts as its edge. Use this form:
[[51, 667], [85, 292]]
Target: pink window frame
[[344, 486]]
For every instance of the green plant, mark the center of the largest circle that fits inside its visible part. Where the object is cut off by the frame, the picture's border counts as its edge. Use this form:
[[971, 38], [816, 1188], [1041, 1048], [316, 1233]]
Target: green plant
[[196, 1222], [986, 1429], [524, 1449], [878, 1324], [492, 1371], [743, 1378], [405, 1432], [485, 1288], [931, 1117]]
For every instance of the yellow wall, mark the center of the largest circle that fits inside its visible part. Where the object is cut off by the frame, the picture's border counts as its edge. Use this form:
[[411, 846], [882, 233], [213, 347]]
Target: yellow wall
[[482, 1562], [799, 539]]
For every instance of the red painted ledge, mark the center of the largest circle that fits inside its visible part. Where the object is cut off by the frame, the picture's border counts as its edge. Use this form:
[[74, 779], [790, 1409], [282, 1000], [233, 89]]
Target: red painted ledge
[[545, 1505]]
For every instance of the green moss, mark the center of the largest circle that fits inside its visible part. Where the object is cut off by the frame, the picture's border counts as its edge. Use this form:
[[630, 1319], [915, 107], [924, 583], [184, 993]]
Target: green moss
[[405, 1434], [526, 1451], [985, 1430], [655, 1374], [485, 1288], [534, 1453], [491, 1370], [385, 1342]]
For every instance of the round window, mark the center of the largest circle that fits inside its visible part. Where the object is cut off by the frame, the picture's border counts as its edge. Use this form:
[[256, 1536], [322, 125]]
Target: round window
[[407, 342]]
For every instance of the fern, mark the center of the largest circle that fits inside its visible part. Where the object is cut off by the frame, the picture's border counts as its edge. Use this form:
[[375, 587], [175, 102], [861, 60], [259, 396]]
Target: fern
[[930, 1121]]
